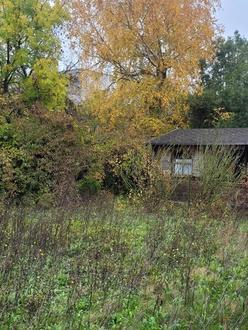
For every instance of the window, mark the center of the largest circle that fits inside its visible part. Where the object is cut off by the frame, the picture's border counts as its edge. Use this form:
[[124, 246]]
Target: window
[[183, 166]]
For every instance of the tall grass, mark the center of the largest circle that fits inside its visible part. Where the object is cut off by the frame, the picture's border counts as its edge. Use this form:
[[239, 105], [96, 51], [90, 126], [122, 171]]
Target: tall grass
[[114, 267], [219, 171], [216, 175]]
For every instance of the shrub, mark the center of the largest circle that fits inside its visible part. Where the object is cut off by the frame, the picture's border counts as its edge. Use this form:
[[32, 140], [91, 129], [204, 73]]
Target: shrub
[[39, 155], [127, 168], [89, 185], [218, 172], [159, 189]]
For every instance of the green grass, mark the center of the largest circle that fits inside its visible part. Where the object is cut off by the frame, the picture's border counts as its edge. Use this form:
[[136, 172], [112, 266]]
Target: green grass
[[105, 267]]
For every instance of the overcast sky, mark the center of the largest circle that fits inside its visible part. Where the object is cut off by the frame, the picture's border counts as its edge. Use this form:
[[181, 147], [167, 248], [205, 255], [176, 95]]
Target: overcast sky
[[234, 16]]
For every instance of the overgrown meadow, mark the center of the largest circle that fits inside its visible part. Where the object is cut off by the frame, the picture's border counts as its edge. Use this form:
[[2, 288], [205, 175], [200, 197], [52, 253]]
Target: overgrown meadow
[[93, 235], [108, 265]]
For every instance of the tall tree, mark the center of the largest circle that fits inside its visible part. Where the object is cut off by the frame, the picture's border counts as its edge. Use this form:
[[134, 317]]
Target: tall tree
[[150, 51], [224, 98], [27, 36]]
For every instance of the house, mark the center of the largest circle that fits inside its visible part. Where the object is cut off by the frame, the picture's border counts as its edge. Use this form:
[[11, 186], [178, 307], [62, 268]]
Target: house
[[182, 149]]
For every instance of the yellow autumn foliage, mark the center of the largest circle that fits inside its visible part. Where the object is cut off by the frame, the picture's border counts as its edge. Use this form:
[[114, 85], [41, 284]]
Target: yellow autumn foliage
[[145, 55]]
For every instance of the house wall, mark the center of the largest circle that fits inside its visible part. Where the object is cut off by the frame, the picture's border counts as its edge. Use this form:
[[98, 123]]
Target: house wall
[[197, 158], [167, 159]]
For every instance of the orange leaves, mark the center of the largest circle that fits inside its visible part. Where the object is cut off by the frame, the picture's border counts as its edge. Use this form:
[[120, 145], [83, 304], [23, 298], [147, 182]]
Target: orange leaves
[[154, 32], [135, 108], [150, 50]]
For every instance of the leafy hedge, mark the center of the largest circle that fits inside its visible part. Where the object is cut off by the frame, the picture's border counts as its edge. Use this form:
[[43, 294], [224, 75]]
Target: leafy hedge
[[46, 157], [37, 154]]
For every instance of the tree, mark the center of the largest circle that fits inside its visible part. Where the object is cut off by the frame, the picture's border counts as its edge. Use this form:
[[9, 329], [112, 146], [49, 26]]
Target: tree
[[203, 109], [27, 36], [149, 50], [45, 85], [225, 86]]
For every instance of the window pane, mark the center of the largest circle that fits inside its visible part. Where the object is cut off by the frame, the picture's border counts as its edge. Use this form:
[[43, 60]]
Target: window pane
[[183, 167], [187, 169], [178, 169]]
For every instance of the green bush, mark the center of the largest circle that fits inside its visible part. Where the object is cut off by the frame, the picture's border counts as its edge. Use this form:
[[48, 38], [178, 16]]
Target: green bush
[[89, 185], [127, 168], [39, 154], [46, 86]]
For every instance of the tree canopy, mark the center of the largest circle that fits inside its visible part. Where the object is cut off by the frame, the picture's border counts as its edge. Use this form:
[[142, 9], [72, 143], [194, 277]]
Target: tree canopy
[[224, 98], [27, 36], [149, 51], [45, 85]]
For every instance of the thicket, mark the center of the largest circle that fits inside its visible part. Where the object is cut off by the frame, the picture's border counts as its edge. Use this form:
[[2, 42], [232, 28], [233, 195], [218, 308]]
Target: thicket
[[50, 158], [39, 152]]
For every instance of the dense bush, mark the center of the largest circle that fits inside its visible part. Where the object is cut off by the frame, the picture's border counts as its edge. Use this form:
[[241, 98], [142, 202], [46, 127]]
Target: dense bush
[[50, 157], [47, 157], [89, 185], [40, 153], [127, 168]]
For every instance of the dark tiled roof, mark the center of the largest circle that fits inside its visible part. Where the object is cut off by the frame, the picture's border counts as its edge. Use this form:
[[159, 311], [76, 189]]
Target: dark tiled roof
[[204, 136]]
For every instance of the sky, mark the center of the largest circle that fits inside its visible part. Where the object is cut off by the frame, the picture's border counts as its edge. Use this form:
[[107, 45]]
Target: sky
[[234, 16]]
